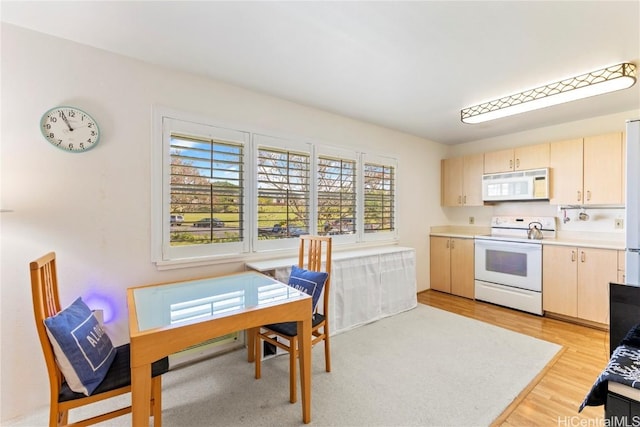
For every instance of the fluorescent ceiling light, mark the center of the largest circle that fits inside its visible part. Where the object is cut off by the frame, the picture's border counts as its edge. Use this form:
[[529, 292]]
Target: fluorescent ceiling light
[[609, 79]]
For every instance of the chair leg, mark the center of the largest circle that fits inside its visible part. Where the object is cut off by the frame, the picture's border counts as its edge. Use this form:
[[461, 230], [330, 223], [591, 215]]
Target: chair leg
[[156, 400], [327, 352], [293, 359], [258, 355], [56, 418]]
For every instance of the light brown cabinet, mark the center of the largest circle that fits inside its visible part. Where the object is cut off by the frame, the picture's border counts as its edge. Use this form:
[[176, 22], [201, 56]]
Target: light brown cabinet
[[519, 158], [587, 171], [575, 281], [462, 181], [452, 265]]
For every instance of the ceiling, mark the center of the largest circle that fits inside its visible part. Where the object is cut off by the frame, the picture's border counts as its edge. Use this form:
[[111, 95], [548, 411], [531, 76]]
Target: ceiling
[[409, 66]]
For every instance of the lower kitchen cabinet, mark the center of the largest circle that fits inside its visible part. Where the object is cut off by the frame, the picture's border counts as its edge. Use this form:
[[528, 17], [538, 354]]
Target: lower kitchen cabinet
[[575, 281], [452, 265]]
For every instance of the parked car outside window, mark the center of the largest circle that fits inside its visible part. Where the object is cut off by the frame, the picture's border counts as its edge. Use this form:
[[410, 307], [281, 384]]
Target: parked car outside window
[[296, 231], [177, 219], [208, 222]]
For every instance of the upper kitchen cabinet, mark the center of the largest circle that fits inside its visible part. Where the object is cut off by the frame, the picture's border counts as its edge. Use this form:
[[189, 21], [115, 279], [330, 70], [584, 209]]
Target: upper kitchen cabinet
[[603, 169], [462, 181], [587, 171], [520, 158]]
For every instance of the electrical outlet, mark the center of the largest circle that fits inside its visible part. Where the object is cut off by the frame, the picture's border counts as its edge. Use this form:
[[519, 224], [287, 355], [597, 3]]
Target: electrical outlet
[[472, 220], [619, 223]]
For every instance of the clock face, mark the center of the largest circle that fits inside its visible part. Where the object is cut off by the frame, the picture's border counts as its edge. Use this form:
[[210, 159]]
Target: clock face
[[70, 129]]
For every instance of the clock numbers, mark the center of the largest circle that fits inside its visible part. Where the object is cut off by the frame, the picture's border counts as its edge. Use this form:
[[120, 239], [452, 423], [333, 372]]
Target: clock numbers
[[70, 129]]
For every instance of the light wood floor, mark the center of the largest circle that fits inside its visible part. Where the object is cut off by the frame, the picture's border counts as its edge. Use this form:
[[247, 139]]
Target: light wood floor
[[556, 396]]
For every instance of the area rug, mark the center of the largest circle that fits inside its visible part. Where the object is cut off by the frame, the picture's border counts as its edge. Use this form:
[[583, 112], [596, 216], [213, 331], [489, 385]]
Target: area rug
[[423, 367]]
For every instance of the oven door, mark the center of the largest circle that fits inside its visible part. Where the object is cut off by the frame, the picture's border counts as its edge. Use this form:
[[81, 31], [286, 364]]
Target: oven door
[[509, 263]]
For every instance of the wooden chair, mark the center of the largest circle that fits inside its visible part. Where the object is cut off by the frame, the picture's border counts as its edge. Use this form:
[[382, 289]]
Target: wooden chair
[[46, 303], [310, 258]]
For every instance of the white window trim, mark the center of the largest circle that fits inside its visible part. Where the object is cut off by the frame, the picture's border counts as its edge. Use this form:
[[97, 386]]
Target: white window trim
[[162, 253], [251, 248]]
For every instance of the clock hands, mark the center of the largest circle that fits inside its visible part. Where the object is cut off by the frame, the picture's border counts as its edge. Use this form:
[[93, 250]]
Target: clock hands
[[66, 121]]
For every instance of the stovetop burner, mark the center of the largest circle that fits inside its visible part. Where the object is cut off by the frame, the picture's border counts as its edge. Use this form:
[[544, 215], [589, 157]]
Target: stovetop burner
[[517, 227]]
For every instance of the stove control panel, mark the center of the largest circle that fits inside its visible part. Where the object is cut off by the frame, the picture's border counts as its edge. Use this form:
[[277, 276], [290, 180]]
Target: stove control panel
[[522, 222]]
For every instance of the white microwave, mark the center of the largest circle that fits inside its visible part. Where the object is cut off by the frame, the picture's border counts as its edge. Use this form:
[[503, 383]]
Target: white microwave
[[530, 184]]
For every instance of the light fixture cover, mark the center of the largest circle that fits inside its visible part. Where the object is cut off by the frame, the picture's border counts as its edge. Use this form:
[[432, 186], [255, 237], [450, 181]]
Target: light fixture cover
[[606, 80]]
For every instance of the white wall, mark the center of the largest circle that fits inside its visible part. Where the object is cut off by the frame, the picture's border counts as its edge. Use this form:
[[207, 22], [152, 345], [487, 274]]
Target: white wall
[[93, 208]]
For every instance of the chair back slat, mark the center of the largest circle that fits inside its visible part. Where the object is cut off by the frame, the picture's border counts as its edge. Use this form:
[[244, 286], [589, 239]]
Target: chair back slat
[[46, 303], [310, 257]]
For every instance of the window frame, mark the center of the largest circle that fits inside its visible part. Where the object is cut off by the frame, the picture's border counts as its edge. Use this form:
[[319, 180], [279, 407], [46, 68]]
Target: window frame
[[280, 144], [165, 123], [251, 247]]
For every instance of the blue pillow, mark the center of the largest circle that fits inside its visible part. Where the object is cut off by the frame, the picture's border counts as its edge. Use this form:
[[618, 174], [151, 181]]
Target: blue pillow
[[309, 282], [83, 350]]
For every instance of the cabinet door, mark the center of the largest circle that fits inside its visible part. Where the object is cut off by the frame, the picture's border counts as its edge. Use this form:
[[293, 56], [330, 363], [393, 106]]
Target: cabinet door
[[473, 167], [440, 262], [498, 161], [531, 157], [603, 169], [596, 269], [452, 181], [462, 268], [560, 280], [565, 161]]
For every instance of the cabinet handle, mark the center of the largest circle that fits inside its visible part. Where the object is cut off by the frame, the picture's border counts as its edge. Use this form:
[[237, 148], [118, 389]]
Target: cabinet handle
[[459, 200], [588, 195], [448, 243], [579, 195], [510, 164], [464, 199], [582, 256], [573, 256], [517, 163], [453, 244]]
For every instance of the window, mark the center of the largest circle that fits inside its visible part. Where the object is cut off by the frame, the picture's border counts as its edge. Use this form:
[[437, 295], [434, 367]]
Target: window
[[221, 193], [336, 196], [202, 204], [284, 188], [207, 191], [379, 196]]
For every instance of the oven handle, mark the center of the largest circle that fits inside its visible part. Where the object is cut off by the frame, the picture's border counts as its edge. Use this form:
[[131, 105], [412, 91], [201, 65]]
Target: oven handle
[[506, 244]]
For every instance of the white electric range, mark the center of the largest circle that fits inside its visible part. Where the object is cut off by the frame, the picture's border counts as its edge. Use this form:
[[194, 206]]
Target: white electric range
[[508, 264]]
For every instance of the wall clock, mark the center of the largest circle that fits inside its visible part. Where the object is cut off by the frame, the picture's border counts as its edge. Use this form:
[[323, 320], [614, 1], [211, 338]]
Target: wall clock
[[70, 129]]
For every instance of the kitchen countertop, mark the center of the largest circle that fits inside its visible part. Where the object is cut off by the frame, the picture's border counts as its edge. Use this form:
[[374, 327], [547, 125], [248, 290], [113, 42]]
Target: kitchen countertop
[[602, 240], [586, 243], [462, 231]]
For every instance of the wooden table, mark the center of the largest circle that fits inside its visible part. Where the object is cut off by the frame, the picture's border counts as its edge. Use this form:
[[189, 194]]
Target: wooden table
[[167, 318]]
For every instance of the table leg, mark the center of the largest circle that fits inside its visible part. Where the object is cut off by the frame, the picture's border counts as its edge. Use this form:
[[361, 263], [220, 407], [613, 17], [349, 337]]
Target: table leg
[[251, 344], [140, 395], [304, 328]]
